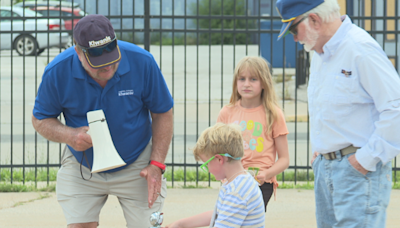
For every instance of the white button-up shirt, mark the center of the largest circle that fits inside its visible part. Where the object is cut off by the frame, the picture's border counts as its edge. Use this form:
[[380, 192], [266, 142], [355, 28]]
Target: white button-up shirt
[[354, 98]]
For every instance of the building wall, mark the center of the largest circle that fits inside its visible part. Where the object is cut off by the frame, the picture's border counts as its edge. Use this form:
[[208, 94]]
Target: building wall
[[342, 4], [5, 2]]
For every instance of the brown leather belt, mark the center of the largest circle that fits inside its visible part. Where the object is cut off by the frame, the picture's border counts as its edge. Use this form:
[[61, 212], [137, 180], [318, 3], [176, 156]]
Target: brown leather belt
[[343, 152]]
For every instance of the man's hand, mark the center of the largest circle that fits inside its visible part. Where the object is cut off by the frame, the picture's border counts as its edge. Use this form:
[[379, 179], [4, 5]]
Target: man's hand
[[315, 155], [53, 130], [153, 176], [353, 161], [79, 139]]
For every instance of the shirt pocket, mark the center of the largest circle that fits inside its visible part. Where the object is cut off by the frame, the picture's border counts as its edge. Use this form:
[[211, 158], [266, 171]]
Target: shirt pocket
[[339, 97], [343, 88]]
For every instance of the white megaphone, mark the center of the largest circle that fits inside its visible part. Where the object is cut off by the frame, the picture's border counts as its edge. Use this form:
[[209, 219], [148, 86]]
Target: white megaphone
[[105, 156]]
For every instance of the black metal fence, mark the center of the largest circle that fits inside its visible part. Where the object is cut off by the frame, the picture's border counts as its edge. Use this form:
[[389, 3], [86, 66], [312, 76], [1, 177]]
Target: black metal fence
[[196, 43]]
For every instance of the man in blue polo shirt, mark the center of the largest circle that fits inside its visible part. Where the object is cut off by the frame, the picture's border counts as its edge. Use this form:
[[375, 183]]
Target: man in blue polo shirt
[[125, 82], [354, 106]]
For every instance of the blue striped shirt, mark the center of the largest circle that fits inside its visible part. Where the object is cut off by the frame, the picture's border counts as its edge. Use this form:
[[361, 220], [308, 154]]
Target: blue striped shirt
[[240, 204]]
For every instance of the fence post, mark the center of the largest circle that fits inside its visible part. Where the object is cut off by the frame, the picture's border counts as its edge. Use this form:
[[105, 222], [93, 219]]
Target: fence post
[[147, 25], [300, 73]]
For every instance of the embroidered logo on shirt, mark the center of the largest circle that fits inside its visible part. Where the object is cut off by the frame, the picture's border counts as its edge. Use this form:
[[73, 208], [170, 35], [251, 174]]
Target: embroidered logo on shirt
[[125, 92], [346, 73]]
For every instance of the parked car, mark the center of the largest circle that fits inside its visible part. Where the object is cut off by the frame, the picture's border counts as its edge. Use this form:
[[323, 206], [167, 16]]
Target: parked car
[[71, 16], [66, 13], [33, 4], [63, 9], [27, 33]]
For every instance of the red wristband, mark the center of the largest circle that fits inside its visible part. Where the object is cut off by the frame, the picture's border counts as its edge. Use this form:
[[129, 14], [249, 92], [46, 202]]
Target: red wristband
[[159, 165]]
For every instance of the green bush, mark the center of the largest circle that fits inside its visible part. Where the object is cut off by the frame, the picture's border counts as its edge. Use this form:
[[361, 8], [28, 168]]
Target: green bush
[[191, 175], [301, 176], [308, 186], [5, 174], [7, 187]]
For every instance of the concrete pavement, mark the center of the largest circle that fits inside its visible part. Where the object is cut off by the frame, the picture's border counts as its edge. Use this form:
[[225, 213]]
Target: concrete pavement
[[293, 208]]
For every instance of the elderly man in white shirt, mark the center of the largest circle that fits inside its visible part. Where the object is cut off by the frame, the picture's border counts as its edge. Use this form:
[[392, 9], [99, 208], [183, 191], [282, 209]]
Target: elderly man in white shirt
[[354, 106]]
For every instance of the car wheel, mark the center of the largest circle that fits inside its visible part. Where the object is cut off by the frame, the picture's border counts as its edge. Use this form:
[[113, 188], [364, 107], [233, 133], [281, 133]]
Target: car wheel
[[27, 44]]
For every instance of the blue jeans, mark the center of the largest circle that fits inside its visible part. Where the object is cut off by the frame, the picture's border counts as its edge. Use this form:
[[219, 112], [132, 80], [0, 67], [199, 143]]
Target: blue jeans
[[346, 198]]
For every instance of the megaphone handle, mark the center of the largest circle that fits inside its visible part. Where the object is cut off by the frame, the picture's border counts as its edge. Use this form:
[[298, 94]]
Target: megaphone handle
[[84, 154]]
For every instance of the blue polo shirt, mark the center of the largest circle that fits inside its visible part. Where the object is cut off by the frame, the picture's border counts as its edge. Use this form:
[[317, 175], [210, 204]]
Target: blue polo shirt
[[136, 88]]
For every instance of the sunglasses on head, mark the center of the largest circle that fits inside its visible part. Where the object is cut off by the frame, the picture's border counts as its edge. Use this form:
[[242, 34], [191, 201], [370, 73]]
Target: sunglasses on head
[[293, 29], [204, 166], [97, 51]]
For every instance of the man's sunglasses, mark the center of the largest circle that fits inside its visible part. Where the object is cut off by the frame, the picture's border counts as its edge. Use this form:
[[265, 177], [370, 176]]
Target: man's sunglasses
[[204, 166], [293, 29], [97, 51]]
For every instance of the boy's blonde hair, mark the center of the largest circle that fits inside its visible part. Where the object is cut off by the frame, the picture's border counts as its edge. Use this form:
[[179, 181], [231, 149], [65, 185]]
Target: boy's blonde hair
[[220, 139], [258, 67]]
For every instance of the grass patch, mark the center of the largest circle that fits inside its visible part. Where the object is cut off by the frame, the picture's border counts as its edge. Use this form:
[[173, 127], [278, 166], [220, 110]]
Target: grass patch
[[19, 187], [39, 198], [308, 186], [395, 177], [5, 187], [190, 186], [396, 185], [300, 176], [192, 175], [30, 174], [194, 186]]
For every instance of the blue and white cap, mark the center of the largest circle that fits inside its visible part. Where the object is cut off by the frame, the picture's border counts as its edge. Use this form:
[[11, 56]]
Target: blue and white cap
[[289, 10]]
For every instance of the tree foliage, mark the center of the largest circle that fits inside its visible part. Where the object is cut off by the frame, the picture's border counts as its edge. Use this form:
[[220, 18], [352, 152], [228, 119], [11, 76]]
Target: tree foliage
[[222, 8]]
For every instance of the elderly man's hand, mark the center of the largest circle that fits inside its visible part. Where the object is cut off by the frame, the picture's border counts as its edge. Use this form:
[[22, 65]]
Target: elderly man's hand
[[353, 161], [315, 155], [153, 176]]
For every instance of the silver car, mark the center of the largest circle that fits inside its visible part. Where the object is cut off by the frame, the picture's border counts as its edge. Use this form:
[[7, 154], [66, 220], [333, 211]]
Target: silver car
[[27, 33]]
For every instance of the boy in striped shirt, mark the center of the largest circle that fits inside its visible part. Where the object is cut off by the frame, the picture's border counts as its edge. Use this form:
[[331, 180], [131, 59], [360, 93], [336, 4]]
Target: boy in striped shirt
[[240, 202]]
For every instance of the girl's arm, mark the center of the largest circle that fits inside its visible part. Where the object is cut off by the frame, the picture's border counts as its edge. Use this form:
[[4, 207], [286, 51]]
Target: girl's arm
[[199, 220], [282, 149]]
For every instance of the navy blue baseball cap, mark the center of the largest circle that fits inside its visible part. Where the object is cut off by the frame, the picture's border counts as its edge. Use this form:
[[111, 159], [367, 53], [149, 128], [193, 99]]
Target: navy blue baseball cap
[[289, 10], [95, 35]]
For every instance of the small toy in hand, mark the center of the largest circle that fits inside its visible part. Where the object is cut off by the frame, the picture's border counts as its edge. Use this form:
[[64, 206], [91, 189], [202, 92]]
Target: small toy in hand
[[156, 218], [254, 172]]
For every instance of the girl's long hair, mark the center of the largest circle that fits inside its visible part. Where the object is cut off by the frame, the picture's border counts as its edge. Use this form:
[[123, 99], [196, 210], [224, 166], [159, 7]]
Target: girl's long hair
[[258, 67]]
